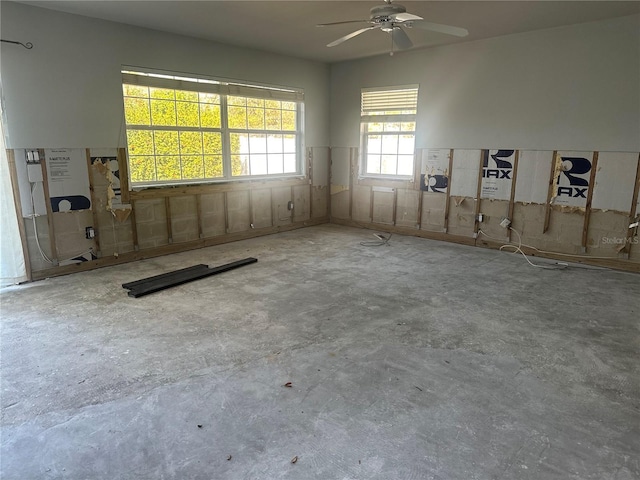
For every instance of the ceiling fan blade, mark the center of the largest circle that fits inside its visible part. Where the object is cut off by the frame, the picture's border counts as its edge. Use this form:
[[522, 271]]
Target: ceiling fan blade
[[438, 27], [341, 23], [401, 39], [351, 35], [405, 17]]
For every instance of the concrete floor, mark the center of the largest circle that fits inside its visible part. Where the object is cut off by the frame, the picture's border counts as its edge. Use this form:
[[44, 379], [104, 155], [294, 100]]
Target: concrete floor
[[417, 360]]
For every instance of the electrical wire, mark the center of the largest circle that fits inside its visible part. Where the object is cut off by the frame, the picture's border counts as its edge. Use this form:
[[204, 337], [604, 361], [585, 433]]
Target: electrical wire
[[382, 241], [518, 249], [44, 256]]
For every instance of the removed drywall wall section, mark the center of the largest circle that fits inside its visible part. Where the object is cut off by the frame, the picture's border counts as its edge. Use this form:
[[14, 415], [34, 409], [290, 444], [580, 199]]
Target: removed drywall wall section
[[532, 182], [212, 207], [407, 205], [571, 184], [184, 219], [435, 173], [238, 216], [151, 222], [465, 175], [261, 208], [341, 181], [362, 203], [383, 205], [615, 178], [320, 166], [301, 203]]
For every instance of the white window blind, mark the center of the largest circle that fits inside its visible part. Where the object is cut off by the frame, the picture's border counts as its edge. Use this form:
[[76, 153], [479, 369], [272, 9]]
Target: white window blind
[[211, 86], [403, 99]]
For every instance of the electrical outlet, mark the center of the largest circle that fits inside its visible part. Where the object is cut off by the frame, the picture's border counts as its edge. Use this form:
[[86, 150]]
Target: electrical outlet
[[290, 205], [505, 222], [480, 217], [89, 232]]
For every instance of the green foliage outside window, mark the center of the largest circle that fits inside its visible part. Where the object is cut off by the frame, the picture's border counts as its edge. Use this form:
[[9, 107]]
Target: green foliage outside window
[[176, 135]]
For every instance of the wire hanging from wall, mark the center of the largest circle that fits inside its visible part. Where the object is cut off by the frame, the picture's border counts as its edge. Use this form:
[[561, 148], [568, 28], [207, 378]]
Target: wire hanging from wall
[[27, 45]]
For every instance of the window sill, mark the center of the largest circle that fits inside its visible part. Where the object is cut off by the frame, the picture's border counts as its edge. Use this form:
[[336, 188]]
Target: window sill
[[158, 191]]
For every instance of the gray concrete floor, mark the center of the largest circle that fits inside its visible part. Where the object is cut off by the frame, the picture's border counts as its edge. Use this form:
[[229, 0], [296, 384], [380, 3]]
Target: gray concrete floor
[[417, 360]]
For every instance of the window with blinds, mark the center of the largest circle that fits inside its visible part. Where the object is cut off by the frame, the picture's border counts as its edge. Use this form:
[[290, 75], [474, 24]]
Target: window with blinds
[[388, 124], [194, 130]]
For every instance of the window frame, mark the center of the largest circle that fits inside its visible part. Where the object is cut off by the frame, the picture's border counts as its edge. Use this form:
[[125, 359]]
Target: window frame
[[224, 88], [374, 114]]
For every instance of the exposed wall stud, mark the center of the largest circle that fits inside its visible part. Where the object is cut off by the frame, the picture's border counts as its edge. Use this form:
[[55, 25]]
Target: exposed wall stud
[[552, 181], [134, 226], [447, 204], [633, 212], [11, 158], [513, 191], [199, 214], [167, 211], [94, 204], [476, 224], [587, 208], [47, 202]]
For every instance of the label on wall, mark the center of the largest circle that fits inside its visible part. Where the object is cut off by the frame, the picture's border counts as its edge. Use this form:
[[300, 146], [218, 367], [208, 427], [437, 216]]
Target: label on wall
[[571, 183], [68, 179], [532, 184], [497, 174], [434, 172]]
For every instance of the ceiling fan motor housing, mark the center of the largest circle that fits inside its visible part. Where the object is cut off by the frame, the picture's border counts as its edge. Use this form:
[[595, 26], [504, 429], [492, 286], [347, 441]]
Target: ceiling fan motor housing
[[383, 13]]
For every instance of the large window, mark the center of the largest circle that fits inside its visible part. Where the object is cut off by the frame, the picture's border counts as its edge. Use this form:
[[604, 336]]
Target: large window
[[189, 130], [388, 125]]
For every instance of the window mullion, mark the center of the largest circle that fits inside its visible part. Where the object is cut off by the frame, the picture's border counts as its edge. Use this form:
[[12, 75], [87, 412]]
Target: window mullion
[[226, 139]]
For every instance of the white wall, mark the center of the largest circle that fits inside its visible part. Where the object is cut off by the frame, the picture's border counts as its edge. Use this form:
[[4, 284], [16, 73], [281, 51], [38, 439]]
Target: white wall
[[575, 87], [67, 90]]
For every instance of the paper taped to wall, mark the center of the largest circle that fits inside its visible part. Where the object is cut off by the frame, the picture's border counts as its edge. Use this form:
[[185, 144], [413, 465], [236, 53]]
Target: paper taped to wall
[[68, 179]]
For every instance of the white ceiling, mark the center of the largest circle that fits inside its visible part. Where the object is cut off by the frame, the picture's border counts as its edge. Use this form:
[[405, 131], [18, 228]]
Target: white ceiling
[[289, 27]]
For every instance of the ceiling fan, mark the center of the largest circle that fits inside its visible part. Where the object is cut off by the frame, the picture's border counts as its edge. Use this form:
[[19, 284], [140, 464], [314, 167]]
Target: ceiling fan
[[391, 18]]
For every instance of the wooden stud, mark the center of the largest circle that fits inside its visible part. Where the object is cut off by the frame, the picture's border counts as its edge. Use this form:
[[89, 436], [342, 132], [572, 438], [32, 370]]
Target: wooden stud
[[329, 177], [372, 198], [293, 199], [447, 204], [11, 159], [633, 211], [476, 224], [394, 214], [417, 185], [252, 219], [123, 167], [47, 202], [226, 212], [310, 177], [513, 191], [167, 211], [552, 182], [351, 174], [199, 214], [587, 208], [94, 203], [134, 225]]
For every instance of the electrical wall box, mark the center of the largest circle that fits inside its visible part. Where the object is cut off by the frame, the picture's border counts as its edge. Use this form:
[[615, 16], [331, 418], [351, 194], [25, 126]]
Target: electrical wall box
[[34, 172], [505, 223]]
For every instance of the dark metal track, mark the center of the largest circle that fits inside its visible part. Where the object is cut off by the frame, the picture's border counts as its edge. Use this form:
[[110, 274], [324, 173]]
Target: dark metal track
[[156, 283]]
